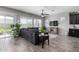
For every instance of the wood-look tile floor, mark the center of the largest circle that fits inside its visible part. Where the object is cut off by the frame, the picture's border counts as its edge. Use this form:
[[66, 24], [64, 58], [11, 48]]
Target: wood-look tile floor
[[57, 44]]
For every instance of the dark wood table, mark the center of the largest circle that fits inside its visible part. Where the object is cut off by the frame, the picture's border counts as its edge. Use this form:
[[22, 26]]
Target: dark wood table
[[43, 38]]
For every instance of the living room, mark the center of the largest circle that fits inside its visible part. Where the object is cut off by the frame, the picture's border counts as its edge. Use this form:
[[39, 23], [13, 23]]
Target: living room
[[53, 23]]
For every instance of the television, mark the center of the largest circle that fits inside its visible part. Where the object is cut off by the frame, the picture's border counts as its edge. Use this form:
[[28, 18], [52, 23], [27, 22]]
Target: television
[[53, 23]]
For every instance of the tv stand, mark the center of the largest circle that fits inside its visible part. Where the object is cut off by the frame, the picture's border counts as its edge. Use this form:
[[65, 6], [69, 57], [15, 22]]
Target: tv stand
[[74, 32]]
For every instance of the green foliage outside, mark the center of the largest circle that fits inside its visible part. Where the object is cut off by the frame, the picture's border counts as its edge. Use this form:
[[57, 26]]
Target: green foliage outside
[[2, 30]]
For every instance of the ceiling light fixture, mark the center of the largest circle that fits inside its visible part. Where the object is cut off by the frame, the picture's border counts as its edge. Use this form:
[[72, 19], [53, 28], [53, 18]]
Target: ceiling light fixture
[[43, 14]]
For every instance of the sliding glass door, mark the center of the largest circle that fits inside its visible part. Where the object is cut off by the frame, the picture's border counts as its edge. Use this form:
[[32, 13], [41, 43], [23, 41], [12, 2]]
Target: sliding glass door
[[5, 22], [25, 22], [9, 21], [30, 22], [2, 22]]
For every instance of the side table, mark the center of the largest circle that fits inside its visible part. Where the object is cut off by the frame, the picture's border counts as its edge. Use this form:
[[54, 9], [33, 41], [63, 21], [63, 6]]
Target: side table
[[43, 38]]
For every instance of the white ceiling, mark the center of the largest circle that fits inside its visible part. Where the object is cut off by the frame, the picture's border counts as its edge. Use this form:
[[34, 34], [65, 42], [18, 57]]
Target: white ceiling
[[48, 9]]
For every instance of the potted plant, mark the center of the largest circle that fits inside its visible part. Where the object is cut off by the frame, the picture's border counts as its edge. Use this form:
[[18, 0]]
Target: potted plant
[[16, 29], [43, 30]]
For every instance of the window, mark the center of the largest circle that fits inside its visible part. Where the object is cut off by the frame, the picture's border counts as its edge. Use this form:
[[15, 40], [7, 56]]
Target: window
[[25, 22], [29, 23], [9, 20], [2, 21], [5, 21], [37, 23]]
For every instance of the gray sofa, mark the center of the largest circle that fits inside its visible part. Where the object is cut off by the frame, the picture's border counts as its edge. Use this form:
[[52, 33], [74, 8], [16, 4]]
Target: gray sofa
[[30, 34]]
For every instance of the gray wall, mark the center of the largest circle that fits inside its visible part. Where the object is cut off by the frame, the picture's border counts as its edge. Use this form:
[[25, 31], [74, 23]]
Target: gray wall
[[63, 19]]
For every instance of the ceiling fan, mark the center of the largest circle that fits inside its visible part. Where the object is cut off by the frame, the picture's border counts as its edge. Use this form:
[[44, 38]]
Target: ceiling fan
[[43, 14]]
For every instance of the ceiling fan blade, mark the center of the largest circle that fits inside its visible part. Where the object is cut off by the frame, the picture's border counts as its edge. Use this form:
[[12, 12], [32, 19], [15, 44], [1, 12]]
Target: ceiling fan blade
[[46, 14], [43, 14]]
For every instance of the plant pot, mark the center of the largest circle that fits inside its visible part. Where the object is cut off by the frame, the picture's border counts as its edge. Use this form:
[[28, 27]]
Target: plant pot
[[42, 33]]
